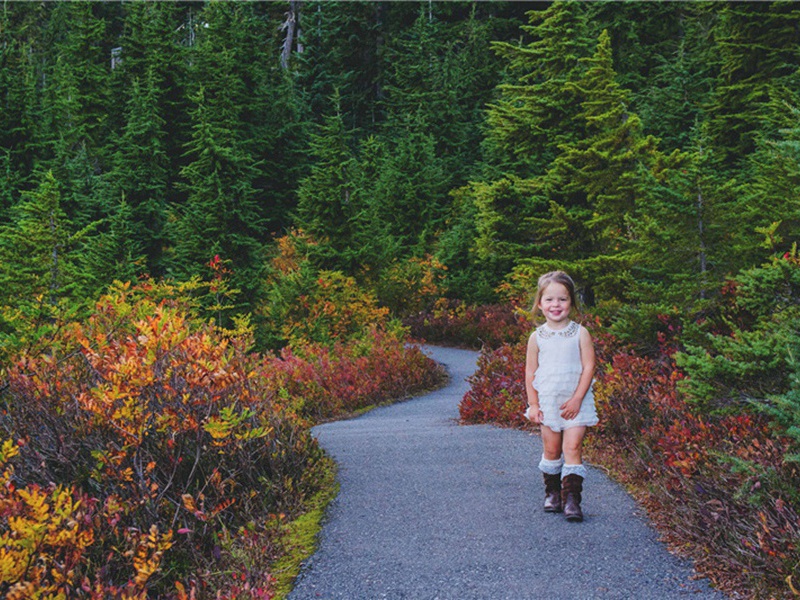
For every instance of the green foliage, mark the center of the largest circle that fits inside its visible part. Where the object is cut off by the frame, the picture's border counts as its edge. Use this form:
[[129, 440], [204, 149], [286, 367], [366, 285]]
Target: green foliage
[[784, 409], [535, 110], [740, 353], [40, 282], [753, 40], [328, 199]]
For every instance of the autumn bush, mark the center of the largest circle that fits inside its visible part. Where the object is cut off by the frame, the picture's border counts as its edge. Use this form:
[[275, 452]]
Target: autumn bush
[[306, 305], [154, 447], [497, 389], [455, 323], [409, 286]]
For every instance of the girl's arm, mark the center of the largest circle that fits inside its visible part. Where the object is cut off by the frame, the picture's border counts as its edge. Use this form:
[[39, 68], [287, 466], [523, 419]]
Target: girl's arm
[[570, 409], [531, 364]]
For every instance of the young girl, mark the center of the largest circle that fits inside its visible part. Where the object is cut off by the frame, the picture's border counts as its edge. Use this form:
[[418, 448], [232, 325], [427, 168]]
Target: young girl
[[558, 379]]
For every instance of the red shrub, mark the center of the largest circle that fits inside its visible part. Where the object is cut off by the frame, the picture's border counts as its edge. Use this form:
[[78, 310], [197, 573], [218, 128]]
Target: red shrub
[[497, 393], [454, 323]]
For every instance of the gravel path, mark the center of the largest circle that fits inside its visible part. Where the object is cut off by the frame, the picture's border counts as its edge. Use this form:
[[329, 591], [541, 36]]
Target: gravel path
[[429, 509]]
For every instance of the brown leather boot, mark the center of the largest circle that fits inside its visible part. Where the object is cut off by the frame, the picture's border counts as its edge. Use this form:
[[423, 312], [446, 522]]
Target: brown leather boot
[[571, 489], [552, 492]]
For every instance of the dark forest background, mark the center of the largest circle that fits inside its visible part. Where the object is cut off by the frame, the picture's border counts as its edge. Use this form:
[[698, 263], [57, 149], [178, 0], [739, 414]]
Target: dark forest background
[[648, 148]]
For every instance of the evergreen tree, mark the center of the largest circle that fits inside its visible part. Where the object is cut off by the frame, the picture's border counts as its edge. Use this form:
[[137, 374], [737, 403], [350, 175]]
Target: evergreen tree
[[408, 195], [151, 59], [596, 184], [536, 111], [328, 199], [759, 48], [221, 214], [19, 29], [438, 75], [75, 107], [767, 212], [672, 99], [38, 275], [115, 253], [140, 170], [341, 54]]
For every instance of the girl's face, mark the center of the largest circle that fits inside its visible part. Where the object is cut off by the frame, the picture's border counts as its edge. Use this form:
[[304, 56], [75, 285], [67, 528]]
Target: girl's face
[[555, 303]]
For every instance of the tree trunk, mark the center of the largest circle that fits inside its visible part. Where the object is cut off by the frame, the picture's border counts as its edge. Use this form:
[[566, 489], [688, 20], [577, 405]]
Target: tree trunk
[[290, 27]]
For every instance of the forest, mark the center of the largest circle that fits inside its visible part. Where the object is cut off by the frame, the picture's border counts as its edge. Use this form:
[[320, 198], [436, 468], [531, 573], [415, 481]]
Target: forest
[[222, 222]]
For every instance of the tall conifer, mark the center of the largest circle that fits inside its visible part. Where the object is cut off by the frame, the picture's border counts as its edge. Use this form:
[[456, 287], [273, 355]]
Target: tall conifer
[[220, 214]]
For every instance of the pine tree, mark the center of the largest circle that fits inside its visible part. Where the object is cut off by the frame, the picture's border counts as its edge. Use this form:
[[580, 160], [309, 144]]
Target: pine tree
[[75, 107], [328, 199], [139, 174], [221, 214], [596, 184], [536, 111], [39, 281], [408, 196], [759, 53], [340, 42], [19, 120]]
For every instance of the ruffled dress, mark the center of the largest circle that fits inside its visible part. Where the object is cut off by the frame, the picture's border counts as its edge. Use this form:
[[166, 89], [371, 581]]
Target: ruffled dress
[[558, 374]]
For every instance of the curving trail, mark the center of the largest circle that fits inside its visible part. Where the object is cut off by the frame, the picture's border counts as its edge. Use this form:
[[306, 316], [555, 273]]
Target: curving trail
[[429, 509]]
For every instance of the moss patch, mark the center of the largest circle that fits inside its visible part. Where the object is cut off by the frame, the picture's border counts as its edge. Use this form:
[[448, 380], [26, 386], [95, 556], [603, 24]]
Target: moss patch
[[299, 537]]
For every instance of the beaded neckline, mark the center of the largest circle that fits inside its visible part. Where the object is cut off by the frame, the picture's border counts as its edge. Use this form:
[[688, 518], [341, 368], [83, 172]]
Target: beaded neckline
[[570, 330]]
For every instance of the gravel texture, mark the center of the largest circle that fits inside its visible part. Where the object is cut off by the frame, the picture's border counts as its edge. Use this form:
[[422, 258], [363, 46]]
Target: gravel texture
[[429, 509]]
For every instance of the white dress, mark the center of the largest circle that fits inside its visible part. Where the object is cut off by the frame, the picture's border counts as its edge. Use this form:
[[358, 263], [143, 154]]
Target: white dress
[[558, 374]]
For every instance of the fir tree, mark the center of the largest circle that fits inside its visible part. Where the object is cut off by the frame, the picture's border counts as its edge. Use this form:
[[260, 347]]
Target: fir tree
[[408, 196], [536, 111], [340, 55], [114, 253], [328, 200], [140, 170], [758, 48], [39, 278], [75, 107], [221, 214], [596, 184]]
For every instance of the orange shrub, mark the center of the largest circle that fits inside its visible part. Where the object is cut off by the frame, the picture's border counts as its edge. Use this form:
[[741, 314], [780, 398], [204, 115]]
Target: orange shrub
[[310, 306], [167, 440], [158, 415]]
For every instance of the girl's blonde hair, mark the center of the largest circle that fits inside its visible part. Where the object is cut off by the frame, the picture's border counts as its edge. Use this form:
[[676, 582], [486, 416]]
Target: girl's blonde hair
[[555, 277]]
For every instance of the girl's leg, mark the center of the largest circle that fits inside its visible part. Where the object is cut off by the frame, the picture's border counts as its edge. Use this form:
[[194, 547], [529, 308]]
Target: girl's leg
[[550, 466], [552, 441], [573, 473], [572, 444]]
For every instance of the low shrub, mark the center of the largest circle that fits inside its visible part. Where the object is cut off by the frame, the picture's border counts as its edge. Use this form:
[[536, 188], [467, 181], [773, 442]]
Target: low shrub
[[305, 305], [452, 322], [497, 389]]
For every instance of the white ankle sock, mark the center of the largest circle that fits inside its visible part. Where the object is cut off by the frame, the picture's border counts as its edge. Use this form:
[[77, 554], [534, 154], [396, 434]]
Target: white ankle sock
[[578, 469], [551, 467]]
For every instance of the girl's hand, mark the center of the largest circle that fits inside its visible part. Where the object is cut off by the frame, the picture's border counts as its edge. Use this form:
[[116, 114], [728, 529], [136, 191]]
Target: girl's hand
[[571, 408], [534, 414]]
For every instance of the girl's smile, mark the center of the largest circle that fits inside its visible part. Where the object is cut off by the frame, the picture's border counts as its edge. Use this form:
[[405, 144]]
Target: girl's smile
[[555, 305]]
